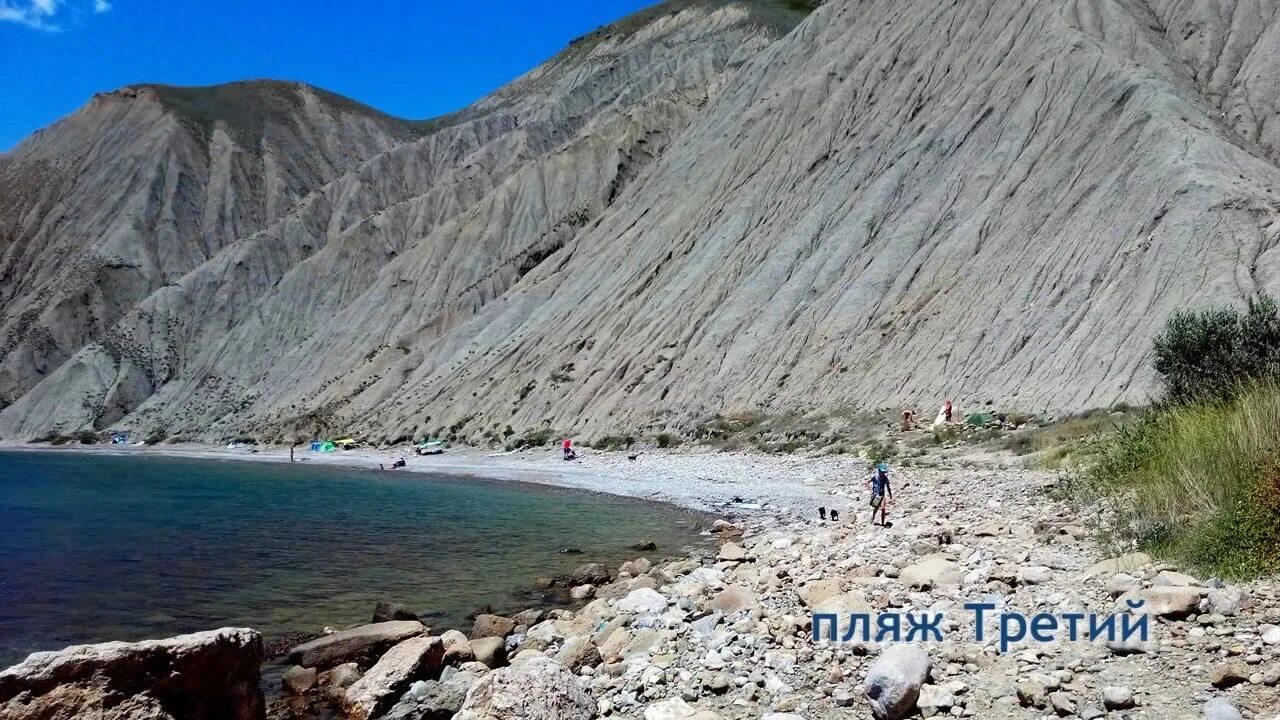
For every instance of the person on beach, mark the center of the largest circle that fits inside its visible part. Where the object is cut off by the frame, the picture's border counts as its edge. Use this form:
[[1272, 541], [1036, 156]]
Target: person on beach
[[822, 513], [569, 453], [881, 492]]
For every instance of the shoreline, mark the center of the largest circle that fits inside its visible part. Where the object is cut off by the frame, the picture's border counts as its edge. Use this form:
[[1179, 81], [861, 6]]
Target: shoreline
[[707, 481]]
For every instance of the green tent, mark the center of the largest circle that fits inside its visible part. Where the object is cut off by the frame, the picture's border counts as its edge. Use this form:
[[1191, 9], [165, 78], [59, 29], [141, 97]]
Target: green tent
[[979, 419]]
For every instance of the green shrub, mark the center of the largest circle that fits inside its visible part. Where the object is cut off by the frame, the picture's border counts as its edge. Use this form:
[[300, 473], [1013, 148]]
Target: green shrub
[[1199, 482], [1209, 353], [880, 452], [667, 440], [612, 442], [87, 437], [532, 439], [156, 437]]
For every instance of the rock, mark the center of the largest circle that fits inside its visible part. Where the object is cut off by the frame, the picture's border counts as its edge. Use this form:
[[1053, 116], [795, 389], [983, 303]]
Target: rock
[[732, 599], [298, 680], [842, 606], [1165, 601], [343, 676], [814, 593], [589, 574], [732, 552], [932, 572], [934, 700], [1061, 703], [1221, 709], [643, 601], [418, 658], [1034, 575], [894, 680], [645, 546], [636, 568], [843, 697], [536, 689], [578, 653], [1226, 674], [385, 611], [1168, 578], [582, 592], [492, 651], [432, 700], [1121, 583], [989, 529], [360, 644], [457, 649], [487, 625], [529, 617], [1117, 698], [205, 676], [704, 626], [677, 709], [1134, 645], [1124, 563], [1032, 694], [1228, 601], [1270, 634]]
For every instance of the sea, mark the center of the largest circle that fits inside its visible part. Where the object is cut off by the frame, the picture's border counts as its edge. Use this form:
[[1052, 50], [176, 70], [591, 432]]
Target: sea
[[102, 547]]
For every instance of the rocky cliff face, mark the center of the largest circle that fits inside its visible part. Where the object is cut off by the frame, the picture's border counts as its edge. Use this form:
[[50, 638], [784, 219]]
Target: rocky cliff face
[[709, 206]]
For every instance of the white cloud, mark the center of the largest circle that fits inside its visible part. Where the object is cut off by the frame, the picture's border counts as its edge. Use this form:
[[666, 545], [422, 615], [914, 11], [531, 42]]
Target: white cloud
[[43, 14], [38, 14]]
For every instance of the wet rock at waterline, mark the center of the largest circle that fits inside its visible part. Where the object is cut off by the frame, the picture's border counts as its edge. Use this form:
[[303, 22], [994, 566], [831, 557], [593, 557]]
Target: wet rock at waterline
[[362, 644], [202, 676]]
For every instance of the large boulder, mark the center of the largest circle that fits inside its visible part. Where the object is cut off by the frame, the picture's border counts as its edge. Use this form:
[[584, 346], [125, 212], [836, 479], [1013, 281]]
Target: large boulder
[[492, 626], [536, 689], [931, 573], [589, 574], [578, 653], [1221, 709], [203, 676], [894, 680], [359, 644], [732, 552], [732, 599], [418, 658], [1165, 601], [491, 651], [433, 699], [385, 611], [643, 601], [1123, 563], [457, 648], [298, 680], [812, 594], [677, 709]]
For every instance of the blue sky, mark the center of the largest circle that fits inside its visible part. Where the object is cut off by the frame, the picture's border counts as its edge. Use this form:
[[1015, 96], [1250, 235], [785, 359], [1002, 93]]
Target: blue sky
[[410, 59]]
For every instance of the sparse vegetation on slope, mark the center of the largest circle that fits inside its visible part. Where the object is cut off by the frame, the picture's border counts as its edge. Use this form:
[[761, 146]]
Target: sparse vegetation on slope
[[1197, 478], [1200, 482]]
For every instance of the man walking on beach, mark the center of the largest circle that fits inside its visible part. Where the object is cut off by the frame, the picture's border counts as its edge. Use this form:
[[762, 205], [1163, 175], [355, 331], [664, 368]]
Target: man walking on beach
[[880, 490]]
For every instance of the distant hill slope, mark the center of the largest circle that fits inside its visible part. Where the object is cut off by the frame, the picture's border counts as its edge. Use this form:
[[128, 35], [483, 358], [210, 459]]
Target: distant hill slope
[[712, 205]]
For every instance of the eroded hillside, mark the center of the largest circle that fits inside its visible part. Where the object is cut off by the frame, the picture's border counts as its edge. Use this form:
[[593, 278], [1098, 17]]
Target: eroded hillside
[[710, 206]]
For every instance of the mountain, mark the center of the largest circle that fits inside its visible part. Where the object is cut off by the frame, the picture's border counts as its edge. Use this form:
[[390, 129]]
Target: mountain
[[714, 205]]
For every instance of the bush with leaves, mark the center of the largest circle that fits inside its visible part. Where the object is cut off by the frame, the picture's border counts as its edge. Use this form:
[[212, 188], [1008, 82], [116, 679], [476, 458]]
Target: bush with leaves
[[1209, 354]]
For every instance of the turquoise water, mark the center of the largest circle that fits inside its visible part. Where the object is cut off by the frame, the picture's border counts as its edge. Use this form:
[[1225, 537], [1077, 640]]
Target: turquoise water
[[97, 548]]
